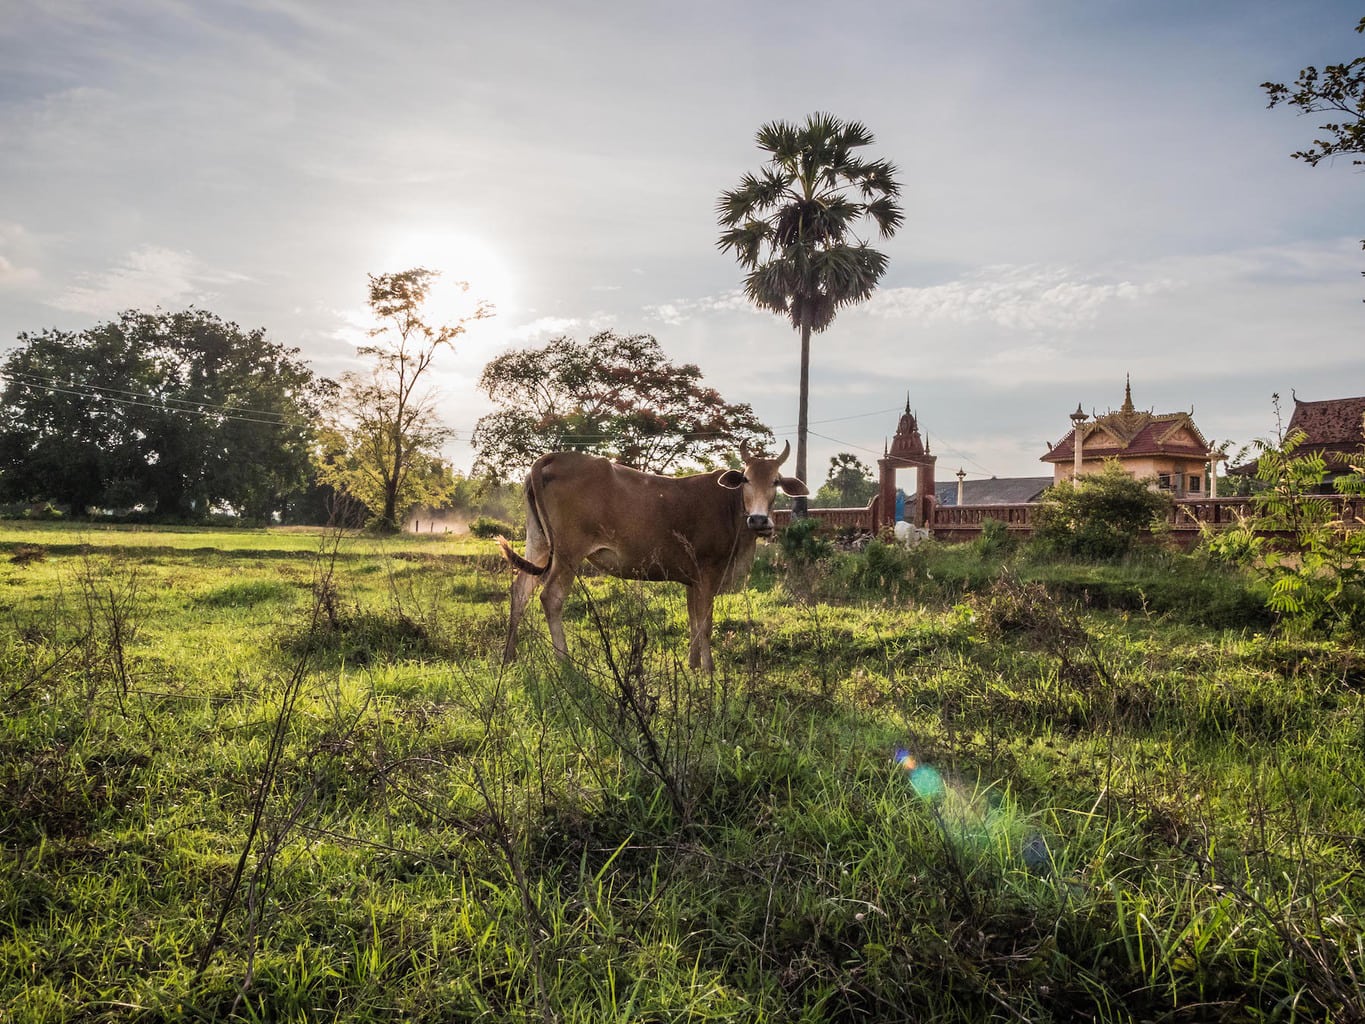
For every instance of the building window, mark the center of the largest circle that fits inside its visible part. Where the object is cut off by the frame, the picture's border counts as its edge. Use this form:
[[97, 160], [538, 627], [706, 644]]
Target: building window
[[1195, 483], [1163, 481]]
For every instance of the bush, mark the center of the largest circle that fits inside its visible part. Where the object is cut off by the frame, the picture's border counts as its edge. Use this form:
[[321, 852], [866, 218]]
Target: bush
[[1296, 541], [1098, 515], [803, 542], [994, 539], [46, 511], [486, 528]]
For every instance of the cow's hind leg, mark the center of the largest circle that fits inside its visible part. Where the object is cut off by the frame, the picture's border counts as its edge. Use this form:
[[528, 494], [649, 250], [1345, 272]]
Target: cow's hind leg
[[523, 584], [700, 602], [557, 584]]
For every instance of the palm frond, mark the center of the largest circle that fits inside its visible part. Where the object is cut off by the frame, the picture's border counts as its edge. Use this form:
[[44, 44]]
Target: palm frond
[[772, 285], [847, 273], [887, 214], [781, 139], [755, 195], [792, 224], [746, 241], [879, 178]]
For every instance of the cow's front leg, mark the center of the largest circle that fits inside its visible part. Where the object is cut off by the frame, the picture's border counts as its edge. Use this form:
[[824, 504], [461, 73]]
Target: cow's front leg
[[700, 600]]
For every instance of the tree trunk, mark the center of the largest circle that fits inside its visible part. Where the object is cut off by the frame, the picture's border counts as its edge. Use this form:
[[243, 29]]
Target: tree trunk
[[388, 519], [799, 504]]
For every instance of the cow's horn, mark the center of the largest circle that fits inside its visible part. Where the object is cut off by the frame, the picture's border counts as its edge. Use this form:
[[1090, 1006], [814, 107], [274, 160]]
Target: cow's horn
[[786, 450], [744, 450]]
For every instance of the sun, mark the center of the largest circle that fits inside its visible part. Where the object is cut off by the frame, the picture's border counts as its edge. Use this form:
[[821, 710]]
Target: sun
[[458, 256]]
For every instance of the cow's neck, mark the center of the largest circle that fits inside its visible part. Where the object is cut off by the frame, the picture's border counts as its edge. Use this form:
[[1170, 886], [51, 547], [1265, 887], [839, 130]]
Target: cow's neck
[[745, 545]]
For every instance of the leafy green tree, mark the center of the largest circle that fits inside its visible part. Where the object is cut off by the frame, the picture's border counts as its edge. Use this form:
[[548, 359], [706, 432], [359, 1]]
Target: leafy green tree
[[1336, 90], [848, 485], [1098, 515], [617, 396], [1299, 541], [181, 412], [793, 226], [384, 447]]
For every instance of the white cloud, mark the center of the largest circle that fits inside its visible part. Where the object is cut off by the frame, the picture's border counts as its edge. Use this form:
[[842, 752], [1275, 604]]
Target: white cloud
[[1027, 298], [671, 313], [16, 253], [12, 276], [547, 327], [544, 326], [679, 311], [149, 276]]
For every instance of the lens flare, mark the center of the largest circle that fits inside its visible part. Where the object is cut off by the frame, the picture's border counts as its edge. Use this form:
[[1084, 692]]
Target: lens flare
[[925, 779], [985, 820]]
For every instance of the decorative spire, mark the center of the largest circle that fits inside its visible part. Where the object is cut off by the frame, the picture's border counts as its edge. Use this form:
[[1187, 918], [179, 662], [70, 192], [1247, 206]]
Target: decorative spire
[[1127, 393]]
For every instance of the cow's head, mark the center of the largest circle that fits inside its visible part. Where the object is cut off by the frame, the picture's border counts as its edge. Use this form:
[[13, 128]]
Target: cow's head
[[760, 481]]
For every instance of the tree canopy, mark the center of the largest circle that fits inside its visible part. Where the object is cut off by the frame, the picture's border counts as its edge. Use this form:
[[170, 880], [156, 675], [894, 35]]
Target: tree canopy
[[849, 483], [617, 396], [1338, 89], [181, 413], [792, 227], [384, 445]]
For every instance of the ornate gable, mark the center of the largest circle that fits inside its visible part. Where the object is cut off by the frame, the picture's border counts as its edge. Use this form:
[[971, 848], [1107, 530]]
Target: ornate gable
[[1129, 432]]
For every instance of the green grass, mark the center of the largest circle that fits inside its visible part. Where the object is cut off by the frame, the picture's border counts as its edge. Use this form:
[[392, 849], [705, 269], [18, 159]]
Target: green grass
[[1148, 811]]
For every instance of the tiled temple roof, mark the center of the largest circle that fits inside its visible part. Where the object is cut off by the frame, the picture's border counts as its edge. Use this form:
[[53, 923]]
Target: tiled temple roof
[[1333, 427], [1130, 432]]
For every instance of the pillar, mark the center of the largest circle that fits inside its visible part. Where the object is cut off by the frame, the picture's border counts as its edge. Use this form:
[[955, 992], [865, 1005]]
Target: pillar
[[886, 514], [1077, 442], [925, 485]]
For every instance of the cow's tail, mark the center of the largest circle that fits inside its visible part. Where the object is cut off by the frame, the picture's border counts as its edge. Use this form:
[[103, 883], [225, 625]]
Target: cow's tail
[[524, 564], [534, 520]]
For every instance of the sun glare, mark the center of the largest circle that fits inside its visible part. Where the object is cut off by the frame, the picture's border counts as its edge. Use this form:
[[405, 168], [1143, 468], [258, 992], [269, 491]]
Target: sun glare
[[458, 257]]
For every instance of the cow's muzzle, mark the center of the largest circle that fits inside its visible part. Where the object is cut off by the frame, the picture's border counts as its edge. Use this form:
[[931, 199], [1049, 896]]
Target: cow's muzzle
[[760, 524]]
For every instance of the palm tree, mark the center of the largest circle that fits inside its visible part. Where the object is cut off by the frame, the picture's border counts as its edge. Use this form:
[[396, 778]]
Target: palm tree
[[791, 226]]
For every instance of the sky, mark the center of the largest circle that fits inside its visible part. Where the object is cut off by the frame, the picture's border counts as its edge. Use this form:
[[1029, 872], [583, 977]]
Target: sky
[[1092, 189]]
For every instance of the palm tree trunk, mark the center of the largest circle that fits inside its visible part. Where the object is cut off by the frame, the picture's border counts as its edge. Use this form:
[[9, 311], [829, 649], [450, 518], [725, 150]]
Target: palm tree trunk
[[799, 503]]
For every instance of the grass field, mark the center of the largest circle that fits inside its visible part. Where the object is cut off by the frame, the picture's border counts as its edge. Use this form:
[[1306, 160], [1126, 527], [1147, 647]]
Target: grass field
[[282, 776]]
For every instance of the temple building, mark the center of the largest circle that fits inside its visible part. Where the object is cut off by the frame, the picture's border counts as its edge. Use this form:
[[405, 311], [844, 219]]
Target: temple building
[[1165, 448], [907, 450], [1334, 427]]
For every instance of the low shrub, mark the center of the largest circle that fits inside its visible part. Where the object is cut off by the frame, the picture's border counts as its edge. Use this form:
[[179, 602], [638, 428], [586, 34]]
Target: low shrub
[[486, 528], [804, 542], [1098, 515], [995, 538], [46, 511]]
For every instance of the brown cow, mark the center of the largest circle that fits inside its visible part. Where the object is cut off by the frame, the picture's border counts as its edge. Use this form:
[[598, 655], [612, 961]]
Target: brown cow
[[699, 531]]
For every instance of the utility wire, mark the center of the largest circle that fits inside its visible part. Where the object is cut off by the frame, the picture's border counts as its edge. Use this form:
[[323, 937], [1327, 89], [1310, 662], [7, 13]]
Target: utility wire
[[878, 454], [234, 412], [209, 411], [97, 390], [51, 381]]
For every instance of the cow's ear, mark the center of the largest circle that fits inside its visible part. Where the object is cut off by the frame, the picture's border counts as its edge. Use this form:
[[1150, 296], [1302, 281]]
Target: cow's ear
[[733, 479], [791, 485]]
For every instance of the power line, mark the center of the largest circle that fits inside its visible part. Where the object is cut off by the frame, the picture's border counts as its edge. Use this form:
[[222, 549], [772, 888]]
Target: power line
[[206, 411], [878, 454], [105, 393], [51, 382]]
